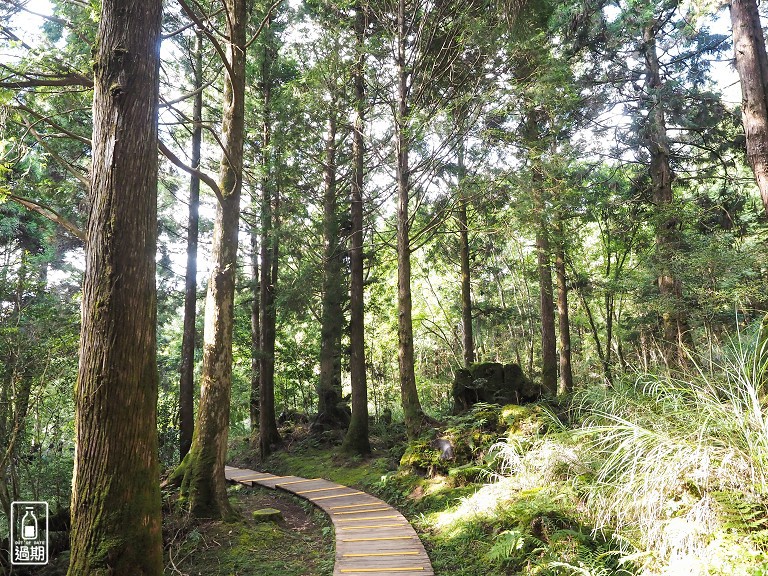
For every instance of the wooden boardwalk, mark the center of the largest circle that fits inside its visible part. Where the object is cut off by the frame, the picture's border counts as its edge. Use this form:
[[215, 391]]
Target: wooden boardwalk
[[372, 538]]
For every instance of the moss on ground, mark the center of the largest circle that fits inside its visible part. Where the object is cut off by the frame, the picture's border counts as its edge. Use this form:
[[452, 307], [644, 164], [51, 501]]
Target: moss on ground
[[301, 544]]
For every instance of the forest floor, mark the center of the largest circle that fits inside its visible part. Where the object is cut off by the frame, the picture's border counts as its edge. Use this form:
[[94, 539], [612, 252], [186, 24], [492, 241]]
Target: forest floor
[[525, 491], [300, 543]]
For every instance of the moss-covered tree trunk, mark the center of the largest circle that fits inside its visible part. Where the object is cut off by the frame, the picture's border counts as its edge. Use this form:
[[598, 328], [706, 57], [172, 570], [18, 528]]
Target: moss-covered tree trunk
[[356, 439], [116, 519], [204, 484]]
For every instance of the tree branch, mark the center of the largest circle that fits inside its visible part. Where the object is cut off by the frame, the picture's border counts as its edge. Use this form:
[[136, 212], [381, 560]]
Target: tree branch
[[201, 26], [175, 160], [55, 125], [50, 214], [67, 166], [264, 22]]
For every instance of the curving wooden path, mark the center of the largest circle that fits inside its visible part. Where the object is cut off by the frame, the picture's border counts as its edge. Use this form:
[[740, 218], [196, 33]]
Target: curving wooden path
[[371, 537]]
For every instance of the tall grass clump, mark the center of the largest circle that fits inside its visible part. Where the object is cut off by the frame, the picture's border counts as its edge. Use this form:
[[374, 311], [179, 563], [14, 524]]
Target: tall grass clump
[[680, 462]]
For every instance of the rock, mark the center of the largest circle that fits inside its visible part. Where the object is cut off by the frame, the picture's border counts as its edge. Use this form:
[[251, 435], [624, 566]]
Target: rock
[[267, 515], [444, 446], [493, 383]]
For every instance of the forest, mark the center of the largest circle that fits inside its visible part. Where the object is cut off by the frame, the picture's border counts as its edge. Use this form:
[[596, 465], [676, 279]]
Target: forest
[[500, 263]]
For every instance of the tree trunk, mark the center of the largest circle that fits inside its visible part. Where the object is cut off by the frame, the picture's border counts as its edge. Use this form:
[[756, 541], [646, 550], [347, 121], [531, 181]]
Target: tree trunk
[[187, 377], [255, 329], [204, 481], [676, 333], [466, 279], [549, 359], [329, 416], [116, 506], [356, 439], [752, 66], [566, 372], [412, 411], [268, 433]]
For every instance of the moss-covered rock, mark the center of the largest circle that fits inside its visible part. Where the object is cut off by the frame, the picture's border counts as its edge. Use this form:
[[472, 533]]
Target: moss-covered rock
[[267, 515], [466, 474], [423, 459], [528, 420], [492, 382]]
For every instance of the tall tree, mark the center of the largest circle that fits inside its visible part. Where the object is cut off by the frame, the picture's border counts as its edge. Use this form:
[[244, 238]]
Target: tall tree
[[269, 436], [203, 483], [566, 372], [116, 519], [466, 279], [752, 66], [356, 439], [333, 288], [676, 333], [412, 410], [187, 372]]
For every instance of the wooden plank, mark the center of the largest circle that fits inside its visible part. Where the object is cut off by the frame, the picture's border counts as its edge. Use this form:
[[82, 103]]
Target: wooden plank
[[402, 569], [379, 503], [335, 496], [373, 526], [369, 518], [369, 554], [368, 511], [339, 487], [301, 481]]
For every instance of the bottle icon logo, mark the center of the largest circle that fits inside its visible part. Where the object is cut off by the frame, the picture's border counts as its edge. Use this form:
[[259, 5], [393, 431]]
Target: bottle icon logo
[[29, 533], [29, 524]]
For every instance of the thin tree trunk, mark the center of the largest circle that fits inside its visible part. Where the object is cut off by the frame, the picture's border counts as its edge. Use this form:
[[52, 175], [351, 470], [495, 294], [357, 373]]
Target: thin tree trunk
[[549, 359], [204, 481], [466, 279], [187, 376], [268, 433], [356, 439], [255, 330], [412, 411], [116, 505], [676, 333], [752, 66], [566, 372]]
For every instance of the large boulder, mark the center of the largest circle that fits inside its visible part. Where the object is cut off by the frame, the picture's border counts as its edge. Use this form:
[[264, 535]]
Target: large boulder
[[493, 383]]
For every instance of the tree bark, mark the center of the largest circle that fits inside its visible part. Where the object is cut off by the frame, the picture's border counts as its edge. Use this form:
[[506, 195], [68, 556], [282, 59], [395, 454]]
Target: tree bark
[[268, 433], [549, 359], [466, 279], [329, 416], [566, 372], [676, 333], [356, 439], [187, 376], [412, 411], [255, 329], [752, 66], [204, 482], [116, 506]]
